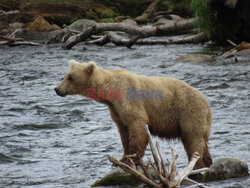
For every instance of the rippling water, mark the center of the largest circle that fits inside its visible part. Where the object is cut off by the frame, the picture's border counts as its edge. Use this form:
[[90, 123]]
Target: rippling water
[[49, 141]]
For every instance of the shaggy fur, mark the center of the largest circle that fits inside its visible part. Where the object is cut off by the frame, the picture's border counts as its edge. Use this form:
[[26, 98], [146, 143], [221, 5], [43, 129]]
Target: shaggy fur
[[182, 113]]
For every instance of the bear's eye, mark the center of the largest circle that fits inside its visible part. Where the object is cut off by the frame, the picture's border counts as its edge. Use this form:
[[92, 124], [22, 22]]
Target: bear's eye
[[70, 78]]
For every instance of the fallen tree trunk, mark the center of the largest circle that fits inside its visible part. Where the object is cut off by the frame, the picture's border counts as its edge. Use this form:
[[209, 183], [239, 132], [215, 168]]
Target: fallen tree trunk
[[136, 31], [120, 41], [149, 12]]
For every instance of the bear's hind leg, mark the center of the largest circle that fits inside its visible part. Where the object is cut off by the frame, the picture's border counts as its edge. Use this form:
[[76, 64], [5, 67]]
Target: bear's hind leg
[[207, 159], [193, 145]]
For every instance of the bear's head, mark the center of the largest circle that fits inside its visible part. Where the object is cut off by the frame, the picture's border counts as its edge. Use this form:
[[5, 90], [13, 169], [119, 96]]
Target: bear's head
[[77, 79]]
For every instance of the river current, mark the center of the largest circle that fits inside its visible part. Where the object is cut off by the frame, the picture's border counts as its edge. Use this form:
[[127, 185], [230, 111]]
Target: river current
[[49, 141]]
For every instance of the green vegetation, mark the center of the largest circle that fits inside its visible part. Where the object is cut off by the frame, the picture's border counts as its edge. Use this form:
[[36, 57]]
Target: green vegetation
[[179, 6], [58, 1], [196, 8], [105, 13], [202, 14], [101, 13], [210, 19], [107, 20], [60, 20], [91, 15]]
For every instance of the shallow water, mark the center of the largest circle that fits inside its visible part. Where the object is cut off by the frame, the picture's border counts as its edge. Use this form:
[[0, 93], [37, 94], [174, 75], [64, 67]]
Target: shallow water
[[49, 141]]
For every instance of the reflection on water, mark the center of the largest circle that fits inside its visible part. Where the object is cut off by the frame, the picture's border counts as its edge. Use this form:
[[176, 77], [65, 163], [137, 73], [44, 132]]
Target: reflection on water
[[49, 141]]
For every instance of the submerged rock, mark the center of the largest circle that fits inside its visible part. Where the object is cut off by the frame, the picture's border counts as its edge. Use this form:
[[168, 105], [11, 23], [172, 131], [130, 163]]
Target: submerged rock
[[226, 168], [238, 57], [245, 52], [117, 177], [195, 58]]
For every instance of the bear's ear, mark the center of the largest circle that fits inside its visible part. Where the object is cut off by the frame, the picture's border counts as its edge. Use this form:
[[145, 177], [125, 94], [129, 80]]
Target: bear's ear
[[91, 67], [73, 63]]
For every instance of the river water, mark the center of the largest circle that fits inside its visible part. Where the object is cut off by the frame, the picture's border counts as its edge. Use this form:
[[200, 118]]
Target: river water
[[49, 141]]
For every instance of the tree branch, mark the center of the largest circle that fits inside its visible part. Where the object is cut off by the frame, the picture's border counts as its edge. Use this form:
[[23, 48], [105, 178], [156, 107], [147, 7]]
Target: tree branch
[[156, 159], [133, 171], [186, 171]]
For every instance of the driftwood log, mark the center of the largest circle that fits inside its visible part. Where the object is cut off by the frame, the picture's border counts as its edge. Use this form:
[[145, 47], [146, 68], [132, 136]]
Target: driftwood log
[[120, 41], [136, 32], [4, 13], [237, 48], [167, 178], [11, 40]]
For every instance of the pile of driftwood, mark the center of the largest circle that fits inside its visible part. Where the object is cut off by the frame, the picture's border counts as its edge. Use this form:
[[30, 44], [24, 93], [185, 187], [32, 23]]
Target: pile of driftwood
[[11, 40], [237, 48], [167, 177], [136, 33]]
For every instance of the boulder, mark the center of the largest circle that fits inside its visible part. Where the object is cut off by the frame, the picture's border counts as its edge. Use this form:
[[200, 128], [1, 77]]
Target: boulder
[[54, 27], [226, 168], [129, 22], [39, 24], [56, 36], [82, 24], [195, 58], [16, 25], [118, 177], [175, 17]]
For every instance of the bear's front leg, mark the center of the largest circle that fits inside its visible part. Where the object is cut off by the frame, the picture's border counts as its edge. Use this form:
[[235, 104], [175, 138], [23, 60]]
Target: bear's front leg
[[123, 130], [124, 138], [137, 138]]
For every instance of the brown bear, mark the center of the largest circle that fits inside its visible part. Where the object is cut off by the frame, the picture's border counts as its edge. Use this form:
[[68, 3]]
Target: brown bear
[[171, 108]]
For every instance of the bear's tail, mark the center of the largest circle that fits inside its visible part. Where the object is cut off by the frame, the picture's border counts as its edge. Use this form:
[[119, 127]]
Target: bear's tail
[[207, 159]]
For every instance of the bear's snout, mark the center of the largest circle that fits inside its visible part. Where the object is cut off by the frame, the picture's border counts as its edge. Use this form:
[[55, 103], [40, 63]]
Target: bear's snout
[[58, 92]]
